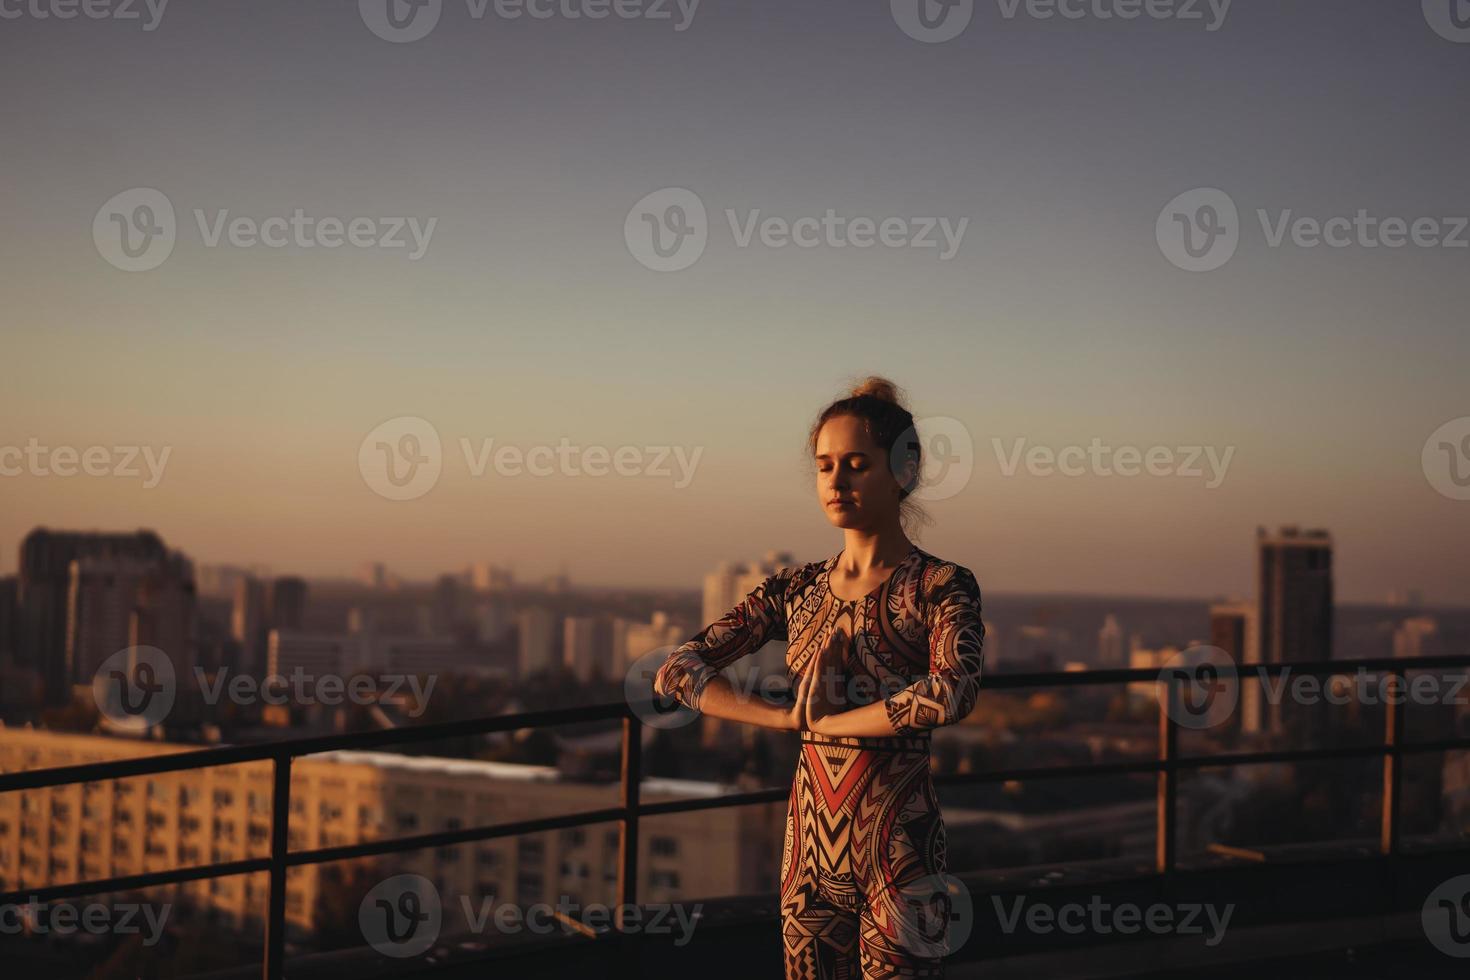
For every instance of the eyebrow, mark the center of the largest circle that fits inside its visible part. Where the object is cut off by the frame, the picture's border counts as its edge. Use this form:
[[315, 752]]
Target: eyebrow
[[854, 452]]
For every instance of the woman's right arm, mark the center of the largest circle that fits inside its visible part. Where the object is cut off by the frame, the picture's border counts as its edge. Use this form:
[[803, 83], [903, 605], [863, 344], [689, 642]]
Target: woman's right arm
[[692, 675]]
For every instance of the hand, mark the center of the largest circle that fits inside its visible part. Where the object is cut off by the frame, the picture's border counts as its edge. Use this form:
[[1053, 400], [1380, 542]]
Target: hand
[[823, 675]]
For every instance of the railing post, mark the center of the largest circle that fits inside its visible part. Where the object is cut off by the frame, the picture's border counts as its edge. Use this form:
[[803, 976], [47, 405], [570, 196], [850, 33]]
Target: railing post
[[275, 923], [1393, 772], [1168, 777], [628, 840]]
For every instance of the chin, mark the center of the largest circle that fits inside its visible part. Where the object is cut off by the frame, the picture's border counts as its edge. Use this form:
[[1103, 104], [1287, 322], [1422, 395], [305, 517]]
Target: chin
[[844, 519]]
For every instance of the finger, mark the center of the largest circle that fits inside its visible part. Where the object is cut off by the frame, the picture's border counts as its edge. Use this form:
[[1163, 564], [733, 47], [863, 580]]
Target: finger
[[807, 718]]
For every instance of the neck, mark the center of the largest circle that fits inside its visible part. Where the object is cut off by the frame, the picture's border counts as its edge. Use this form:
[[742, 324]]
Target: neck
[[864, 549]]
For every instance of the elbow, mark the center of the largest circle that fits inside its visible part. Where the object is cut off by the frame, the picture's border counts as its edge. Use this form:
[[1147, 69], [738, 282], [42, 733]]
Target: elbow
[[962, 691], [965, 698], [665, 682]]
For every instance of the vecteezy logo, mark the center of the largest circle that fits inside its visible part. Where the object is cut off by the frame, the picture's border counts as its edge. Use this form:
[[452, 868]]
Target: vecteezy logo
[[654, 710], [667, 230], [1446, 917], [1200, 687], [135, 688], [402, 458], [135, 230], [401, 916], [400, 21], [1449, 18], [1446, 458], [946, 461], [1199, 230], [933, 914], [932, 21]]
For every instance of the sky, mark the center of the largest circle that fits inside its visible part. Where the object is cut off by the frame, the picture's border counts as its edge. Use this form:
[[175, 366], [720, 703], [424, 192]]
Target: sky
[[531, 152]]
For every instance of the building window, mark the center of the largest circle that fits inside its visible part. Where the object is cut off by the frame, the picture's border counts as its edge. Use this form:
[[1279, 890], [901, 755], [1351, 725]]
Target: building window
[[664, 879], [528, 887], [665, 846]]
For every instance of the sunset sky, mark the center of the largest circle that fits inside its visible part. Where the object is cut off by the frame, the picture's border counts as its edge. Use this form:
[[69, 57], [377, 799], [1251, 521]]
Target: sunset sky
[[528, 320]]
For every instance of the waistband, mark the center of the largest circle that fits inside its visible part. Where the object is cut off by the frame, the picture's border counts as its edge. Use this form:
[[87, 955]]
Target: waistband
[[875, 743]]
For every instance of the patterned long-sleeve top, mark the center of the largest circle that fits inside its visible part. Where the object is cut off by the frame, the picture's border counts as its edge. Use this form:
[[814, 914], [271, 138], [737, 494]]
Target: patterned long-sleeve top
[[918, 638]]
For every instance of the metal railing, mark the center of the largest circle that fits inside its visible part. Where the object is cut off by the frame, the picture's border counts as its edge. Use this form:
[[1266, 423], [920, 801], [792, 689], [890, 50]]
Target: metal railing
[[1166, 768]]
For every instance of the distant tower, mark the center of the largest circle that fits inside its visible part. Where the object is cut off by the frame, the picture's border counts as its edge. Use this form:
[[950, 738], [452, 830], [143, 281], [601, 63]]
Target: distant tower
[[101, 596], [587, 647], [1294, 598], [248, 626], [43, 594], [1234, 629], [537, 640], [1295, 595], [286, 604]]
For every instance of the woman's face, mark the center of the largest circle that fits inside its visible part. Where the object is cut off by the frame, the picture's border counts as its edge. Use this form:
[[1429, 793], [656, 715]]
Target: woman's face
[[855, 486]]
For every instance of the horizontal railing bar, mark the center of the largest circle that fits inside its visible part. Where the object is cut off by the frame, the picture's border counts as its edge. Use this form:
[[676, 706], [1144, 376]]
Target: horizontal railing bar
[[264, 751], [1129, 675], [151, 879], [713, 802]]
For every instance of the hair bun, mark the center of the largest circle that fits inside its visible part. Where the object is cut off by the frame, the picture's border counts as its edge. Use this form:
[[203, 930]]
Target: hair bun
[[876, 387]]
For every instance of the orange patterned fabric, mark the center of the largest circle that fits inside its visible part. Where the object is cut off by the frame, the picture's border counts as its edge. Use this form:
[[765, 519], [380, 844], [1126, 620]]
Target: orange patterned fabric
[[863, 827]]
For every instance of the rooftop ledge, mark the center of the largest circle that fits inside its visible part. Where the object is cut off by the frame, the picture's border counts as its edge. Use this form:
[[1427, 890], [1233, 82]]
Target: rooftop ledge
[[1326, 914]]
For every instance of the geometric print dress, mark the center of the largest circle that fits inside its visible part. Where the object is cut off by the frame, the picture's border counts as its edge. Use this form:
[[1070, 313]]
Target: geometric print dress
[[864, 837]]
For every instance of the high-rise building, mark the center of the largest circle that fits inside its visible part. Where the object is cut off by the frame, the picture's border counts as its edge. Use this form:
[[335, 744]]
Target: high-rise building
[[1294, 604], [9, 619], [492, 621], [446, 608], [101, 597], [1234, 629], [1295, 594], [587, 646], [114, 603], [285, 604], [537, 640], [44, 587], [248, 626]]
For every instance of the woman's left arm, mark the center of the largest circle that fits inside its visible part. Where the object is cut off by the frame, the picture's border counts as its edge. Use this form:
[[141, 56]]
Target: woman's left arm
[[948, 692]]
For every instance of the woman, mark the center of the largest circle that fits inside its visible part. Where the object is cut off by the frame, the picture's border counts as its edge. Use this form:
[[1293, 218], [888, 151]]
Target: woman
[[885, 640]]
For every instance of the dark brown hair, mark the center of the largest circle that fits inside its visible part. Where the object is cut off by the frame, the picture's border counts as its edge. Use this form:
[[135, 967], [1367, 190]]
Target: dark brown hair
[[879, 403]]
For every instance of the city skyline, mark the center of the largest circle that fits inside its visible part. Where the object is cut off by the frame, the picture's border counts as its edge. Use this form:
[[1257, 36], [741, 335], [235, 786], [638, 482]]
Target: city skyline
[[428, 573]]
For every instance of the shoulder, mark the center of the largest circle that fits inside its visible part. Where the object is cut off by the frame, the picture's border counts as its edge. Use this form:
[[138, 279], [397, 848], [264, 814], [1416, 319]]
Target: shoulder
[[803, 576], [792, 580], [938, 578]]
